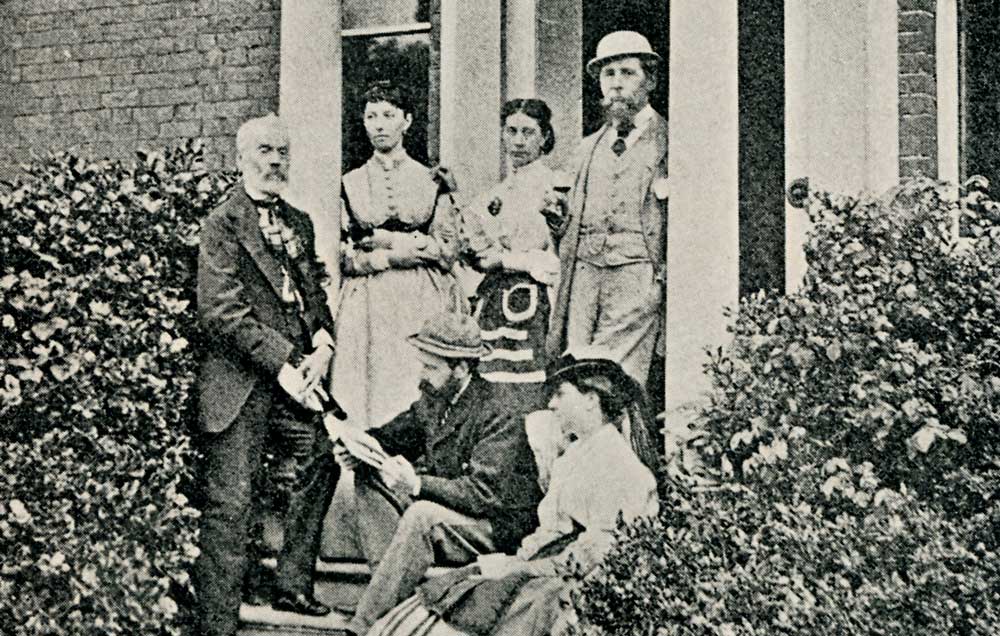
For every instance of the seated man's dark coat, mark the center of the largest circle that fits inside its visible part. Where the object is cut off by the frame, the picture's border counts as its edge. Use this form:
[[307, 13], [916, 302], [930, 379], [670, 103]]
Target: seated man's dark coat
[[475, 460]]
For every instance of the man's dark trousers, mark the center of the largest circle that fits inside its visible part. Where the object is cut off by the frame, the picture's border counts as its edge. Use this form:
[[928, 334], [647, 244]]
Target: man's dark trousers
[[232, 463]]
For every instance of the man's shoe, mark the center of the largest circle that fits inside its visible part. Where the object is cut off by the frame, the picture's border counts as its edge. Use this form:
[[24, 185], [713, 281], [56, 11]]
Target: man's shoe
[[299, 604], [345, 608], [256, 598]]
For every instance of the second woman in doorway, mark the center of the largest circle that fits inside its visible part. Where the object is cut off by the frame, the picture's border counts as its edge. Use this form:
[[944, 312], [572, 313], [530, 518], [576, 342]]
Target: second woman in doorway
[[506, 238]]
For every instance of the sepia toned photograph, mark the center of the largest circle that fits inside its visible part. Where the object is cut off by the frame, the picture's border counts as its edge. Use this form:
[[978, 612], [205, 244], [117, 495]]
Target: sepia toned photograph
[[499, 317]]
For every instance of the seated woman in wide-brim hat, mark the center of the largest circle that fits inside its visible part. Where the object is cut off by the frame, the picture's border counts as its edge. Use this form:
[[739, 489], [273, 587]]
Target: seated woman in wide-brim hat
[[599, 476]]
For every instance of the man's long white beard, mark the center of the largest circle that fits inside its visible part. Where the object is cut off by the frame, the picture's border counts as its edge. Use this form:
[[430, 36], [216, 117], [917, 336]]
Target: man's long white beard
[[267, 183]]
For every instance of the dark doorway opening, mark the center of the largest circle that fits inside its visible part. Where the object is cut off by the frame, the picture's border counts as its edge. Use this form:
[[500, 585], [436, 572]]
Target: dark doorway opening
[[980, 90], [762, 145], [648, 17]]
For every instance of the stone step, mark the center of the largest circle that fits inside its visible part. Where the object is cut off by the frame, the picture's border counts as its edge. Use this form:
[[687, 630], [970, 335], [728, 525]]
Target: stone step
[[347, 571], [263, 620], [338, 583]]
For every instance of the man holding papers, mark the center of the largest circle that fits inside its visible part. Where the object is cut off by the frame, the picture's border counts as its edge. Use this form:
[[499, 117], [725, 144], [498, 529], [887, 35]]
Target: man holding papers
[[448, 479]]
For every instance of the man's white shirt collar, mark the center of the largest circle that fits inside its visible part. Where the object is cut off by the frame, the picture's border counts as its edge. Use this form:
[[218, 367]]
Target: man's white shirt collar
[[640, 121], [465, 385], [258, 197]]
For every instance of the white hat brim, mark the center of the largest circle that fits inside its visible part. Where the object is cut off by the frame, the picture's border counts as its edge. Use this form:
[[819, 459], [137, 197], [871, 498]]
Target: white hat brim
[[594, 65]]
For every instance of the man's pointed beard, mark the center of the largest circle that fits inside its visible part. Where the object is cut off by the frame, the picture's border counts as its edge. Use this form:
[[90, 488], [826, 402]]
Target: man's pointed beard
[[445, 393], [619, 110]]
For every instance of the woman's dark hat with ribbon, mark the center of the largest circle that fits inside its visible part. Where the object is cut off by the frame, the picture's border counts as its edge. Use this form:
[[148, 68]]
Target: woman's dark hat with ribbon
[[623, 395]]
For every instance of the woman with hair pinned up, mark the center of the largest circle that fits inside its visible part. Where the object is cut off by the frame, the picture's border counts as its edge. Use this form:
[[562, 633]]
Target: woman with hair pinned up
[[506, 238], [400, 230]]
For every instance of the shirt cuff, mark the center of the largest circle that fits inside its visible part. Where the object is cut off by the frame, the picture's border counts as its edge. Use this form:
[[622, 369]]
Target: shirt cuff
[[379, 260], [416, 488], [322, 337]]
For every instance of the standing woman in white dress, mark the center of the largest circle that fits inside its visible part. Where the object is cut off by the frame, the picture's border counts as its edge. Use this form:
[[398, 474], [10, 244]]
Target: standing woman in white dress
[[400, 230], [507, 239]]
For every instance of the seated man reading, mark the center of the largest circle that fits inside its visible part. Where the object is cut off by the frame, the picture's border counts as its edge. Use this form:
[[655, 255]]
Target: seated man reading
[[603, 472], [475, 491]]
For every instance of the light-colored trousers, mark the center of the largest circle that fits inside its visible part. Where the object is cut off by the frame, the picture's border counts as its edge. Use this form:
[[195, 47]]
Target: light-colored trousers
[[618, 308], [401, 549]]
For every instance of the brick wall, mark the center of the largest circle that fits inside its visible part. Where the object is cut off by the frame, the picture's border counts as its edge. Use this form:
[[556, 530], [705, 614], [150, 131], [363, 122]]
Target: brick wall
[[6, 96], [917, 89], [105, 77]]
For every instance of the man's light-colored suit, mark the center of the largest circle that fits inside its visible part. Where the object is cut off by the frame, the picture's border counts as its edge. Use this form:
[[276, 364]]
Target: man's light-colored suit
[[613, 254]]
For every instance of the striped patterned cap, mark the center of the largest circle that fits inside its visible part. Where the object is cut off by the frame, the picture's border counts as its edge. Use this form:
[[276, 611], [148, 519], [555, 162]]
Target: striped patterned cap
[[450, 335]]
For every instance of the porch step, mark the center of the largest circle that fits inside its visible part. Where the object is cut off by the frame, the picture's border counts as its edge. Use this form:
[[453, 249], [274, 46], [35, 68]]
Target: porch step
[[338, 583], [263, 620]]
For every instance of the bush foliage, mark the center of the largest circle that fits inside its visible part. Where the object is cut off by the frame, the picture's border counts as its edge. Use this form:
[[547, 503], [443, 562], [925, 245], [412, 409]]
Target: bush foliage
[[96, 302], [851, 442]]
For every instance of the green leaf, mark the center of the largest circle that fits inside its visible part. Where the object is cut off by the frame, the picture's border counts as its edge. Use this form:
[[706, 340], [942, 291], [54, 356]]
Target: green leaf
[[833, 351], [100, 309]]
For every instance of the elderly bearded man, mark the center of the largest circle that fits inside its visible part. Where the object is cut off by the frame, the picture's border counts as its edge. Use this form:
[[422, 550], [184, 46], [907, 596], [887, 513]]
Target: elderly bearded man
[[474, 489], [613, 253], [267, 325]]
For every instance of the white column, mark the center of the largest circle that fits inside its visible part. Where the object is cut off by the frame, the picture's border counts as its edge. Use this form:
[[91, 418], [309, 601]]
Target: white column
[[703, 226], [946, 55], [520, 48], [842, 104], [881, 80], [448, 78], [559, 70], [797, 159], [470, 93], [310, 105]]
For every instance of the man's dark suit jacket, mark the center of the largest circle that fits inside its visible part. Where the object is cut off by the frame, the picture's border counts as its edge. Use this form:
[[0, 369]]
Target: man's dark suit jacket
[[476, 461], [250, 331]]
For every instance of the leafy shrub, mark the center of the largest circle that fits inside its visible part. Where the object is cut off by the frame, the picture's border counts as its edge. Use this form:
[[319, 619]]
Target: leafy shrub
[[96, 302], [852, 435], [731, 561]]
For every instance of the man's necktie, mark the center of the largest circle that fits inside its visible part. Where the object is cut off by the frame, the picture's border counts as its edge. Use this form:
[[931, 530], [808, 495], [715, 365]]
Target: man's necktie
[[619, 147], [284, 245], [278, 234]]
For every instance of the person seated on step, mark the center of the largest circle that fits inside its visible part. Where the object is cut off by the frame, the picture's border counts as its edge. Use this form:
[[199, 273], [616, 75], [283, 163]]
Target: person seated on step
[[447, 480], [605, 471]]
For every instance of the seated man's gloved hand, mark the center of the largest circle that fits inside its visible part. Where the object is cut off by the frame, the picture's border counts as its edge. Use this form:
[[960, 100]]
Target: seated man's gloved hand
[[399, 473]]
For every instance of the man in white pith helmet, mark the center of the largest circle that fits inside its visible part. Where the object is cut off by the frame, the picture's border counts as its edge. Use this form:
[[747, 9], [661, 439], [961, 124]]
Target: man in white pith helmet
[[613, 250]]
